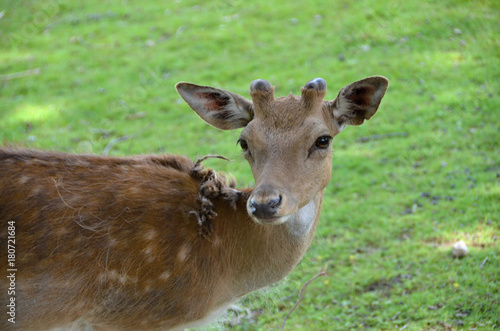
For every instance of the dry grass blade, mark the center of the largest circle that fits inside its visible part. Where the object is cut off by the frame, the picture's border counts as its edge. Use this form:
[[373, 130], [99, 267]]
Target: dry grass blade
[[20, 74], [304, 286]]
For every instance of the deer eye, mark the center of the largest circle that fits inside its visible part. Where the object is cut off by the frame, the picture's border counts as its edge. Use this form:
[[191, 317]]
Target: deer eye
[[243, 144], [323, 142]]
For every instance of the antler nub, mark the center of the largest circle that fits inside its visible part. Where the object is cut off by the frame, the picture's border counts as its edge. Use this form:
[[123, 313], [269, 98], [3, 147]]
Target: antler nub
[[319, 84], [313, 93], [260, 85], [262, 94]]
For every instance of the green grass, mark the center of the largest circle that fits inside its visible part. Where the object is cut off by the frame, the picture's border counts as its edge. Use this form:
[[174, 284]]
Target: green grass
[[394, 206]]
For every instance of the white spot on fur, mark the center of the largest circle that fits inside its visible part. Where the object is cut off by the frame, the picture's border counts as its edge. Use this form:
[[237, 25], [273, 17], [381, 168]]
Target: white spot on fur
[[148, 251], [102, 277], [149, 234], [183, 252], [216, 242], [36, 190], [124, 168], [135, 191], [82, 163], [114, 276], [148, 286], [124, 278], [165, 275], [61, 231], [23, 180]]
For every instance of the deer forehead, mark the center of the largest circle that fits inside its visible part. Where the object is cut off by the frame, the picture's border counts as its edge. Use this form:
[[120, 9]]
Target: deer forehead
[[292, 106], [289, 119], [285, 132]]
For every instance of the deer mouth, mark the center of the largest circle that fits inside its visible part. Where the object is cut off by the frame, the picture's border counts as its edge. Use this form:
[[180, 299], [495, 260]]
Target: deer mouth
[[275, 220]]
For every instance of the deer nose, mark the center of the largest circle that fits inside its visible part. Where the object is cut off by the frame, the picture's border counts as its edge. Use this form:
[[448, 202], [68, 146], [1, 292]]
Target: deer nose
[[265, 209]]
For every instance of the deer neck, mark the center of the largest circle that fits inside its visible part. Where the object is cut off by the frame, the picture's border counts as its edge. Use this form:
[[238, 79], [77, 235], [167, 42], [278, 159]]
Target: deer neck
[[267, 253]]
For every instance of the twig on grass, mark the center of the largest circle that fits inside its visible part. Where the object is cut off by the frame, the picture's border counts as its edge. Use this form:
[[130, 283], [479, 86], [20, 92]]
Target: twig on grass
[[322, 273], [114, 141], [483, 263], [382, 136], [20, 74]]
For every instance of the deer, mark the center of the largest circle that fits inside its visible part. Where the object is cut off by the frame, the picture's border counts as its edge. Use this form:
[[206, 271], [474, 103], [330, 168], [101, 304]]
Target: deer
[[161, 242]]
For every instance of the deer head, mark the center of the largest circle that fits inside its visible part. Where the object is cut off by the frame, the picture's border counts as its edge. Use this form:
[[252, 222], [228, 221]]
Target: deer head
[[287, 140]]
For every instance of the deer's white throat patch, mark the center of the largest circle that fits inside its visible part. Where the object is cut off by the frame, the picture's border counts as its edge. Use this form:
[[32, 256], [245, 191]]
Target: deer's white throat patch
[[301, 222]]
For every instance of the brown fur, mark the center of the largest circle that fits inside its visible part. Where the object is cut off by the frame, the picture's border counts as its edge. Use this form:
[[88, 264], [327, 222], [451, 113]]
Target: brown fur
[[117, 241], [102, 233], [160, 242]]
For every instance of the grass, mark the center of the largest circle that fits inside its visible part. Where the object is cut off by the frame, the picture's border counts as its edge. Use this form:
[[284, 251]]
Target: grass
[[394, 206]]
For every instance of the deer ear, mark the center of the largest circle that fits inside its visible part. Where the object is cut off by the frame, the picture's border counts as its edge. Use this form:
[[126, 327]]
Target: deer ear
[[222, 109], [358, 101]]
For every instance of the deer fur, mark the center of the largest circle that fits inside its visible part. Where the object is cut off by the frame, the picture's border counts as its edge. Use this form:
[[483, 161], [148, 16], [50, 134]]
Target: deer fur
[[159, 242]]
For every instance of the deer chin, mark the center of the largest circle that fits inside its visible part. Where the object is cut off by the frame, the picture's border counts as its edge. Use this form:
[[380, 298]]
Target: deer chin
[[275, 220]]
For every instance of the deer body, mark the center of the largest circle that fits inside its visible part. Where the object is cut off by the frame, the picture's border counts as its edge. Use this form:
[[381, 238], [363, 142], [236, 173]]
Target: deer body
[[160, 242]]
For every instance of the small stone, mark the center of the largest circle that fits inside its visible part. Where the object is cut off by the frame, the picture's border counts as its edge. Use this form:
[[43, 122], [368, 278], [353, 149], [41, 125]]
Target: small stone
[[459, 249]]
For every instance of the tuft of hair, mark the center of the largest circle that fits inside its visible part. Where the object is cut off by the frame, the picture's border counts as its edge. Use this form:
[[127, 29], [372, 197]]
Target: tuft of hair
[[213, 186]]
